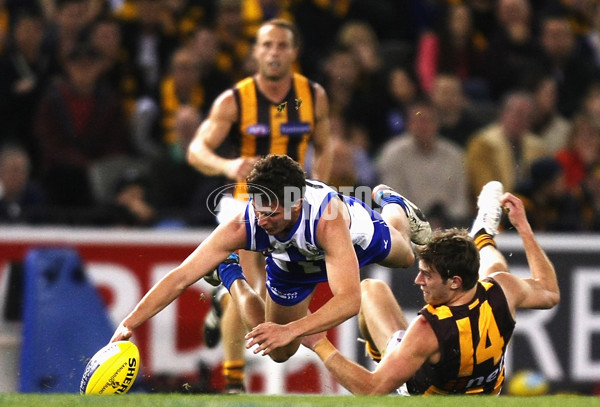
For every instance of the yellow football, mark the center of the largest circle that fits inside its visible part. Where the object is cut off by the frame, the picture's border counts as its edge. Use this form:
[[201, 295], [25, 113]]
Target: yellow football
[[112, 370], [528, 383]]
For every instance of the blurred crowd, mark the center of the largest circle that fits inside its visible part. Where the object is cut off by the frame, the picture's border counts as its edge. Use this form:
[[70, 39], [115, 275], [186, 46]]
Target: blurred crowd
[[99, 100]]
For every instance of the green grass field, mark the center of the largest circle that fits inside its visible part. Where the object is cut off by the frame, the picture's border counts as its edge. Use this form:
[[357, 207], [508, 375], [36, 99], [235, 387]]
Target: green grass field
[[181, 400]]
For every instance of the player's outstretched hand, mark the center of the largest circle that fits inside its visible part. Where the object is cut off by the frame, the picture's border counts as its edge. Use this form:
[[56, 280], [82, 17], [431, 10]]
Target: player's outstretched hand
[[121, 334], [269, 336], [241, 167], [516, 211]]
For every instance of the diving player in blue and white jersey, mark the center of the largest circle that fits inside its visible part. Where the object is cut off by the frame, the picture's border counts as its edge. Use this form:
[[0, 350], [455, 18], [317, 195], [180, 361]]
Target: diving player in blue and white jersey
[[296, 262], [309, 234]]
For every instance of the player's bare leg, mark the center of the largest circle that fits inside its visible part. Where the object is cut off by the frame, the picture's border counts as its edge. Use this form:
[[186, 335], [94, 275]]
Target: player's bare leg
[[377, 300], [283, 314], [401, 253], [233, 328], [406, 222], [255, 309], [491, 260]]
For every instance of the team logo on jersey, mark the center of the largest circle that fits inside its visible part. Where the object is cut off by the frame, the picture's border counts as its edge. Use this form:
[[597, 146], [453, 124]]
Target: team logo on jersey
[[295, 128], [258, 130], [312, 249]]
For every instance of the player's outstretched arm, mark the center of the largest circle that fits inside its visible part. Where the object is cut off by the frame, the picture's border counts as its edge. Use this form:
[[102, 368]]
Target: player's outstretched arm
[[418, 346], [225, 239], [541, 290]]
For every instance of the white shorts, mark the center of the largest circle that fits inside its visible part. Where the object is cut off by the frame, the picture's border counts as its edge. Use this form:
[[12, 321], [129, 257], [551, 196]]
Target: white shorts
[[393, 343]]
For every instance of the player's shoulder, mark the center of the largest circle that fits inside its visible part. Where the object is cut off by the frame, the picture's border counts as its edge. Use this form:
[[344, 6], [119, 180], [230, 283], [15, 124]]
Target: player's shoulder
[[225, 104], [306, 81], [512, 287], [321, 98], [234, 231], [228, 99], [420, 336], [319, 89], [500, 278], [318, 190], [226, 96]]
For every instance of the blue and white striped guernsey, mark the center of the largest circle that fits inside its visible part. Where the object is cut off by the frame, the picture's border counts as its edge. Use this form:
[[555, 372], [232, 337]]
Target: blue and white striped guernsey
[[299, 258]]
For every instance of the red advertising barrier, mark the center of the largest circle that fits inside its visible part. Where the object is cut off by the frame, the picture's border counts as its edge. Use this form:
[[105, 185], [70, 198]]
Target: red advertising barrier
[[125, 264]]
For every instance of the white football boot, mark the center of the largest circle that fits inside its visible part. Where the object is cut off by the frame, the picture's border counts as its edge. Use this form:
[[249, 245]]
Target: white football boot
[[489, 209]]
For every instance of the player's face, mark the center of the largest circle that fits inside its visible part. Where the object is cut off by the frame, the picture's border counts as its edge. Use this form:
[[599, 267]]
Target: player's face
[[275, 219], [435, 291], [274, 52]]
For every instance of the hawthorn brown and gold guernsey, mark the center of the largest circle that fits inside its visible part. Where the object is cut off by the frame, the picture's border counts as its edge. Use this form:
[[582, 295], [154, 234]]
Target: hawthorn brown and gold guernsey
[[266, 127], [477, 333]]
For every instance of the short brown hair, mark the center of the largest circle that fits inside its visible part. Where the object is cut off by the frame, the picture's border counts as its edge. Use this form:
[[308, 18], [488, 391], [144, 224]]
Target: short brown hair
[[451, 252], [286, 25], [274, 173]]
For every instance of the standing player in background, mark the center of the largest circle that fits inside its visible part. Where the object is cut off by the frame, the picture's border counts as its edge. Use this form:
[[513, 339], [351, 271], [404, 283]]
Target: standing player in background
[[276, 111]]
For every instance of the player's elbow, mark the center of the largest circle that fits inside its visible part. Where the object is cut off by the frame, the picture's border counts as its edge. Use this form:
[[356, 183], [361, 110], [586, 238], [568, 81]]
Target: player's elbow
[[553, 298], [196, 152], [556, 299], [381, 386], [178, 280], [191, 156], [549, 299]]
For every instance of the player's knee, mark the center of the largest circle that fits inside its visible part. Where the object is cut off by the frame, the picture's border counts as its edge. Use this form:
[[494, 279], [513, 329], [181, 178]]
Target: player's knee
[[371, 291], [280, 355], [283, 353], [370, 285]]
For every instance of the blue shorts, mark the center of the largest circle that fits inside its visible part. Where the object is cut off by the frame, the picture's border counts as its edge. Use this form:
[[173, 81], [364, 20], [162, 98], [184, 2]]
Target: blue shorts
[[288, 294]]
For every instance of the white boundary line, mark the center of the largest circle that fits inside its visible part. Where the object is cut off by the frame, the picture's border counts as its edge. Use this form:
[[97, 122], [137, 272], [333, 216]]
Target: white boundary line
[[72, 235], [54, 235], [550, 242], [565, 242]]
